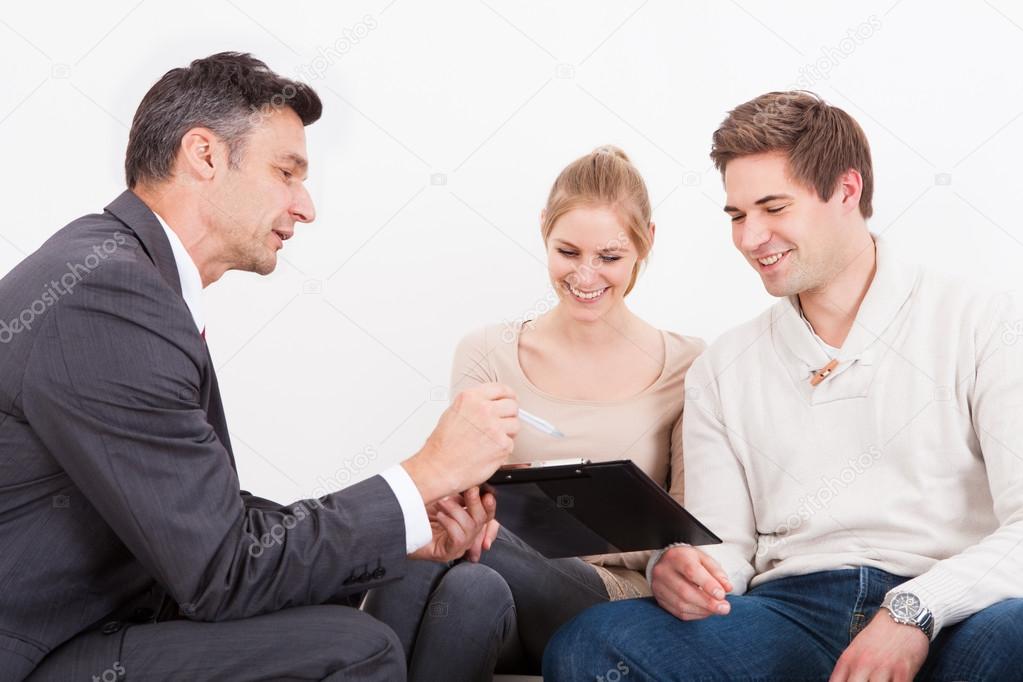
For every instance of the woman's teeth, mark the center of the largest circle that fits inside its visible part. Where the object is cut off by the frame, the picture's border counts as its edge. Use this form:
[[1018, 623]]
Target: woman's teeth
[[586, 295]]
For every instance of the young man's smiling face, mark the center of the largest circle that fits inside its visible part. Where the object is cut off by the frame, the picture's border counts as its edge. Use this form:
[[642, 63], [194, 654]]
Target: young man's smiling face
[[794, 240]]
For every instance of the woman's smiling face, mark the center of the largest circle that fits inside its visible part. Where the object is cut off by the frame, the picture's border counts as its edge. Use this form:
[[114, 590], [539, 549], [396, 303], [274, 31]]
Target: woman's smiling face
[[590, 261]]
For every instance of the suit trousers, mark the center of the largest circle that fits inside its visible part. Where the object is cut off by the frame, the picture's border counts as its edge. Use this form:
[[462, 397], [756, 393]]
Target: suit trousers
[[304, 643]]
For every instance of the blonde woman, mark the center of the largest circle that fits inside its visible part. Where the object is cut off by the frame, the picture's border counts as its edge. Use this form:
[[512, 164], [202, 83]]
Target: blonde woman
[[610, 381]]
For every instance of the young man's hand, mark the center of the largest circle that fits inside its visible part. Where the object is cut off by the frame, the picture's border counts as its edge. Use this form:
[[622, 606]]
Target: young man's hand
[[884, 650], [689, 584]]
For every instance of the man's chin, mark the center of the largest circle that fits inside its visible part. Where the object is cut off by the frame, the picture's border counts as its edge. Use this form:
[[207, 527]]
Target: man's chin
[[264, 266], [780, 289], [267, 268]]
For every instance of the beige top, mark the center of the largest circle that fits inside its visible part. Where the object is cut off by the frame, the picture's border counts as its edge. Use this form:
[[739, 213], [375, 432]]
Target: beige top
[[645, 428]]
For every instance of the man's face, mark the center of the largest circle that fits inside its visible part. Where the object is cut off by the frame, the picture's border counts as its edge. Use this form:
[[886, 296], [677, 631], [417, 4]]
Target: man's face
[[256, 205], [792, 238]]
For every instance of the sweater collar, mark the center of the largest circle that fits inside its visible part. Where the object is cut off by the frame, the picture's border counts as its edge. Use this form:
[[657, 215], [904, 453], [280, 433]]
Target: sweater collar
[[873, 329]]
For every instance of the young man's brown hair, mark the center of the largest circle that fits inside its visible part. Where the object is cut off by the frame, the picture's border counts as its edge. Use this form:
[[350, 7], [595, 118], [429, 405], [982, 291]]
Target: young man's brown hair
[[820, 140]]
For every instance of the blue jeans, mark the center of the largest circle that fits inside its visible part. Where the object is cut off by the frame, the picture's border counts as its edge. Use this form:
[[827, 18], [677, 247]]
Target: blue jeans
[[788, 629]]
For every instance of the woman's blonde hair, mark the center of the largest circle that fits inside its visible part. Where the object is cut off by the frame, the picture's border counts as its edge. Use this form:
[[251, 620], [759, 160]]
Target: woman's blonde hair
[[604, 178]]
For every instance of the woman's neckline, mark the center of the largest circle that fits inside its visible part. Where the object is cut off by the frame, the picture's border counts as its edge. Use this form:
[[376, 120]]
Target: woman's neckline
[[577, 401]]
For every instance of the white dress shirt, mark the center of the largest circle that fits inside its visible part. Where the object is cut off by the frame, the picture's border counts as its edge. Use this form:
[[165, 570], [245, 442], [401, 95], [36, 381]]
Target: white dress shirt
[[417, 525]]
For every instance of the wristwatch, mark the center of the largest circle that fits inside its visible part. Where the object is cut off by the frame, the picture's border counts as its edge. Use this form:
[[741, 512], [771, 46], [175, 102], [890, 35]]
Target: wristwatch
[[907, 609]]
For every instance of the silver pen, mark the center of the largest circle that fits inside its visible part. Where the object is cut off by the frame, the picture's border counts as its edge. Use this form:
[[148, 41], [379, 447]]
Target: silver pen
[[540, 424]]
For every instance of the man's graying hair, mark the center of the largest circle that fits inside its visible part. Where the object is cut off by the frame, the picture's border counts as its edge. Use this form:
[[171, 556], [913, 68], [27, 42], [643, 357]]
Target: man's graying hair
[[225, 92]]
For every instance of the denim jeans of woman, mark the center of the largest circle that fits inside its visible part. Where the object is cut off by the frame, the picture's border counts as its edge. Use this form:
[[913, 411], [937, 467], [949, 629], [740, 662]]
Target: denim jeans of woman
[[459, 621]]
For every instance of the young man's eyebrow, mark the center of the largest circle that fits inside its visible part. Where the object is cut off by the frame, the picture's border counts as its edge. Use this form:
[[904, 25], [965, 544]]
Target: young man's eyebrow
[[761, 201], [771, 197]]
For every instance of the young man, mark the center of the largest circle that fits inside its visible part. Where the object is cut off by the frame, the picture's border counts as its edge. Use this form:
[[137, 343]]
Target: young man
[[122, 525], [856, 448]]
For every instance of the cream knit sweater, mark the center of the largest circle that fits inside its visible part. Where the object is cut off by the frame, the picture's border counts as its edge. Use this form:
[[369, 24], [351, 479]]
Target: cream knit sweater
[[908, 458]]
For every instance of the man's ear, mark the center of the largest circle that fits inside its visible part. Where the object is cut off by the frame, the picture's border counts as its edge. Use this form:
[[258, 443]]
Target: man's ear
[[653, 233], [199, 154], [850, 184]]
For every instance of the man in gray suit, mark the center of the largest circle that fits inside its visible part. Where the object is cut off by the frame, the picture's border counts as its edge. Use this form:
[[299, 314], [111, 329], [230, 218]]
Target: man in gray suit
[[129, 550]]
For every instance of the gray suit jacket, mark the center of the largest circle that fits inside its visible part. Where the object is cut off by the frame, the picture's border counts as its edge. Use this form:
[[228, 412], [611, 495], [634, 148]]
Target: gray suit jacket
[[118, 491]]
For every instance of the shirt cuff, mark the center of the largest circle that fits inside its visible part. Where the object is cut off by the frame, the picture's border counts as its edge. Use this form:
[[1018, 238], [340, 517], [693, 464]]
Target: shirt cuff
[[417, 525]]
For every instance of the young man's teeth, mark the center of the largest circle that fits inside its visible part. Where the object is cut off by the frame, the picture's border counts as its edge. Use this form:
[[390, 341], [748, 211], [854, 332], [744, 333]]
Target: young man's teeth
[[770, 260], [584, 295]]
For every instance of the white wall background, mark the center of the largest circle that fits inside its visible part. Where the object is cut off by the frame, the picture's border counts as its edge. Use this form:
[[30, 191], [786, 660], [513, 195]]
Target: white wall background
[[444, 125]]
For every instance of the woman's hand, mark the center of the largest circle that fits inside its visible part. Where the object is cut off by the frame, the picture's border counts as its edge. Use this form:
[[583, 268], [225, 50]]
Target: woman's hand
[[483, 541], [460, 523]]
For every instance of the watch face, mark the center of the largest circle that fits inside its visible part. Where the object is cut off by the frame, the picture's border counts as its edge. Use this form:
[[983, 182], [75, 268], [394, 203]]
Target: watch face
[[905, 605]]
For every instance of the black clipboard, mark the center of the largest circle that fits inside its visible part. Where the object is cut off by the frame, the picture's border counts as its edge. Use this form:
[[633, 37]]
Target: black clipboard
[[581, 509]]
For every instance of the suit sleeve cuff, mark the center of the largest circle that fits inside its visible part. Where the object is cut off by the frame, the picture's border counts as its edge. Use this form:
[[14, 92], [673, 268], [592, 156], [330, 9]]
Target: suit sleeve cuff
[[417, 524]]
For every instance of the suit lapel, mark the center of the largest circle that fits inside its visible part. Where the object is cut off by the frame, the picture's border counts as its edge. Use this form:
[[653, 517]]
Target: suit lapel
[[141, 220]]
